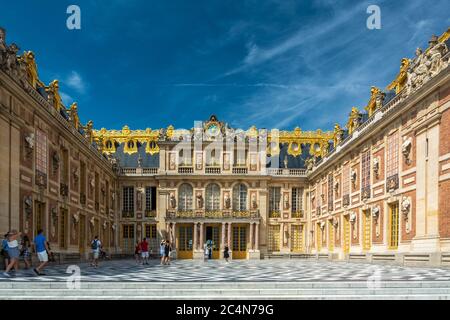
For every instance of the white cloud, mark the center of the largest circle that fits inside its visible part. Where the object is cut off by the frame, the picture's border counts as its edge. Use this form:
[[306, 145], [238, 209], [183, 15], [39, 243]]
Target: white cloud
[[75, 81]]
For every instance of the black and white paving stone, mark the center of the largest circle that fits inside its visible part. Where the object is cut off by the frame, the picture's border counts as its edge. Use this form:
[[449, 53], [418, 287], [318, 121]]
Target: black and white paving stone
[[235, 271]]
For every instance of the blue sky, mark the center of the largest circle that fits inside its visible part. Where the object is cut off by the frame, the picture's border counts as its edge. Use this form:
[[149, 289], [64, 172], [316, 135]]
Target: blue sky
[[273, 64]]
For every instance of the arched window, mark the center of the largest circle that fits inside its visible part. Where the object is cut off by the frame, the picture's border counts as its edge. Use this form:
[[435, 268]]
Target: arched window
[[240, 197], [212, 197], [185, 197]]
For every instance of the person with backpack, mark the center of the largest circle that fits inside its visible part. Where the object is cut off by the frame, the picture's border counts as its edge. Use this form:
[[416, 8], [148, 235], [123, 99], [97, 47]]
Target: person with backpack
[[144, 251], [161, 250], [137, 252], [95, 246], [226, 253]]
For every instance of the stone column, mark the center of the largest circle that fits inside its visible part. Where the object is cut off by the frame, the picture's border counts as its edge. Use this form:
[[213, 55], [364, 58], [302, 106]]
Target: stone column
[[174, 235], [222, 243], [251, 236], [201, 235], [257, 236], [229, 235], [195, 245]]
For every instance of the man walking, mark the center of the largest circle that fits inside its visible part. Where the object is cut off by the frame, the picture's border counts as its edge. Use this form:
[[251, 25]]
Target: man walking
[[95, 246], [41, 247], [144, 251]]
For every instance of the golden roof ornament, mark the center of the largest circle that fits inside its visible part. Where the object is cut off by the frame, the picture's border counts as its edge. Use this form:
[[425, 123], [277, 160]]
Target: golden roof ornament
[[73, 113], [376, 100], [54, 96], [354, 120], [400, 81]]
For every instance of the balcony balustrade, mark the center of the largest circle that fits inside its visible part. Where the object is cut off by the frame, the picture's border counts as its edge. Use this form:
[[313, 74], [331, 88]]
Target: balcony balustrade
[[216, 214], [298, 214]]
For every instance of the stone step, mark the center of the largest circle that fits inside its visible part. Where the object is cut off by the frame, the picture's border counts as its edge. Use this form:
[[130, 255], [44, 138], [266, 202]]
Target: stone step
[[142, 285], [220, 292]]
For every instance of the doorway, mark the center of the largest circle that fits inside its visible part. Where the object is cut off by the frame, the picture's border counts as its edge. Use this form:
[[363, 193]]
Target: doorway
[[239, 250], [185, 244], [212, 238]]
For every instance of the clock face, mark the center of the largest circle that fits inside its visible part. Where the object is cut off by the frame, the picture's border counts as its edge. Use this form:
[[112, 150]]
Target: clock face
[[213, 130]]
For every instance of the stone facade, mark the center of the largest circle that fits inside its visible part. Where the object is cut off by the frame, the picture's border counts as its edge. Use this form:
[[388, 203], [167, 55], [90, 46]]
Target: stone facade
[[377, 191]]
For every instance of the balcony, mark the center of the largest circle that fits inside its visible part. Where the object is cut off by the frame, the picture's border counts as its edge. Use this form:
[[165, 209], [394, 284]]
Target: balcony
[[216, 214], [275, 214], [212, 170], [150, 213], [127, 214], [185, 170], [138, 171], [299, 214], [240, 170], [286, 172]]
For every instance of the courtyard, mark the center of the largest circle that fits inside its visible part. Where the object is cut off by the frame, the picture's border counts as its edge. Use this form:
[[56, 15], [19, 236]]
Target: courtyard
[[264, 279]]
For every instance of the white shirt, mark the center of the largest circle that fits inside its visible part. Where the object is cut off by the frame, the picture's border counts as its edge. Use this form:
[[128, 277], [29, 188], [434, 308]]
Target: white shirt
[[13, 244]]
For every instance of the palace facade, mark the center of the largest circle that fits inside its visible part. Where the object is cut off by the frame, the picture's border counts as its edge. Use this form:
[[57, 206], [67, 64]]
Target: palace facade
[[374, 189]]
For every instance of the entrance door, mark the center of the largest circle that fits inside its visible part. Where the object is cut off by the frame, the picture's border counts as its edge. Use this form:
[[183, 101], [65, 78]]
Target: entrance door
[[393, 226], [212, 237], [366, 230], [319, 237], [239, 250], [128, 238], [63, 229], [346, 234], [330, 236], [184, 242]]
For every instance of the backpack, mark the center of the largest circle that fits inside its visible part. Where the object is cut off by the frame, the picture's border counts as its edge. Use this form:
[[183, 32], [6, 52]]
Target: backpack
[[94, 245]]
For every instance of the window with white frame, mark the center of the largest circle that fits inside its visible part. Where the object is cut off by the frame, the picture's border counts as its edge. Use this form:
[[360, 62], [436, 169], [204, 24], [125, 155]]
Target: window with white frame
[[41, 152], [185, 193], [240, 197], [274, 199], [128, 199], [297, 194], [150, 198], [212, 197]]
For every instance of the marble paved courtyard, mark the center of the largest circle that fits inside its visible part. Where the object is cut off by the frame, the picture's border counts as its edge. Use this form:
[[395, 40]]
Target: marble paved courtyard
[[236, 271]]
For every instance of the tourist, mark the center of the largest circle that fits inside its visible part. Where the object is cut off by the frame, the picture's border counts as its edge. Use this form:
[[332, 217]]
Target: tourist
[[167, 252], [209, 251], [205, 251], [137, 252], [42, 249], [226, 253], [161, 250], [13, 252], [144, 251], [95, 246], [5, 250], [25, 251], [51, 256]]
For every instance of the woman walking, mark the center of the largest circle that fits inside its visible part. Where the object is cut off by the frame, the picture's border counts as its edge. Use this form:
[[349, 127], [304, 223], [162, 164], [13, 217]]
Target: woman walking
[[13, 252], [5, 251], [162, 246], [137, 251], [226, 253], [167, 251]]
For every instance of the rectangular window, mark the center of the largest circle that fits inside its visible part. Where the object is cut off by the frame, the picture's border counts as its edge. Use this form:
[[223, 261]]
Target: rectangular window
[[128, 200], [366, 229], [330, 192], [64, 167], [365, 175], [150, 198], [392, 155], [83, 178], [62, 234], [41, 152], [346, 179], [274, 199], [150, 231], [297, 200]]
